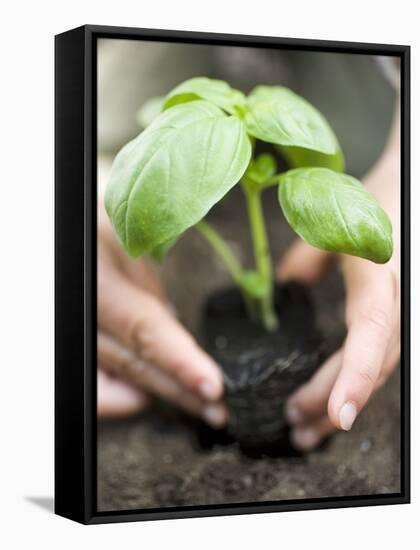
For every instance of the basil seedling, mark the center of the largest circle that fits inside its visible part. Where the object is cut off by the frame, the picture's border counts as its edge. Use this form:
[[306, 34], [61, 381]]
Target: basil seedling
[[198, 145]]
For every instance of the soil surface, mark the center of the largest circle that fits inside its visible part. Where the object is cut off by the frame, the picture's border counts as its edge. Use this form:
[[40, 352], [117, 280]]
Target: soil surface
[[156, 460]]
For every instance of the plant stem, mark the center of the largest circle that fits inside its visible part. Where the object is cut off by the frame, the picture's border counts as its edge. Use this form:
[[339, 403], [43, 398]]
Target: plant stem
[[261, 254], [256, 286], [222, 249]]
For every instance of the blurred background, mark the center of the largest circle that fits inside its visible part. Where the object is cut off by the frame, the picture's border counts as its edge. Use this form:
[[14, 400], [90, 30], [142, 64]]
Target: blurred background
[[355, 92]]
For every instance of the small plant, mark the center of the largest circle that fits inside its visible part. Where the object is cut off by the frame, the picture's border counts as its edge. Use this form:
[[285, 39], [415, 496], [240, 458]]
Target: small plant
[[201, 145]]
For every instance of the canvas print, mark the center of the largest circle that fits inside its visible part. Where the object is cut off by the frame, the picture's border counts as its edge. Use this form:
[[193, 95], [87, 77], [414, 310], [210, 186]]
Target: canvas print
[[248, 274]]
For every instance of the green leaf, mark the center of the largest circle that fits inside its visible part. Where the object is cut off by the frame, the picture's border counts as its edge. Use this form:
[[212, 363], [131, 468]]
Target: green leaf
[[168, 178], [298, 157], [149, 111], [335, 212], [278, 115], [217, 92], [159, 252], [262, 168]]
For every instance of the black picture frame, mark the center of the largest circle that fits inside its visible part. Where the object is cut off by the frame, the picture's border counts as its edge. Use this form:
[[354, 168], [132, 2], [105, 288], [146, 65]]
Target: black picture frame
[[75, 273]]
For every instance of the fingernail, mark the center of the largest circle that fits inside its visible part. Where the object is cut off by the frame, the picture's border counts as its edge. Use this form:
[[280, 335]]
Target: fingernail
[[347, 415], [209, 390], [293, 414], [214, 415], [305, 438]]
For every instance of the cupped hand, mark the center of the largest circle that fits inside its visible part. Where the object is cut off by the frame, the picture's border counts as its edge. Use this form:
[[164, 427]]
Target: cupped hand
[[340, 389], [142, 349]]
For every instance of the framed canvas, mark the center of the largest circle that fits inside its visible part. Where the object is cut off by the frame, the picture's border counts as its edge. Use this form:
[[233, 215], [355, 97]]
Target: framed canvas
[[232, 274]]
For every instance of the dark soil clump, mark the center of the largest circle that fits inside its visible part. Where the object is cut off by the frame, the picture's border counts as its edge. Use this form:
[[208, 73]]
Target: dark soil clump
[[262, 369]]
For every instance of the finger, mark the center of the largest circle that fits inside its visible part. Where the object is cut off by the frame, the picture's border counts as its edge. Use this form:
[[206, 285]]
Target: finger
[[391, 362], [310, 400], [365, 348], [304, 263], [144, 324], [309, 436], [117, 399], [143, 274], [393, 352], [124, 364]]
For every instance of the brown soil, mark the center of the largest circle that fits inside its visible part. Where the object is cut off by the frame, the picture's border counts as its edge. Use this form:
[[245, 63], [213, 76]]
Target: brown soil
[[155, 460]]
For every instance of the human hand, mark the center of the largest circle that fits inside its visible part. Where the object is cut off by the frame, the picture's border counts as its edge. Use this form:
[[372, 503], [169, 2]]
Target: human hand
[[142, 349], [340, 389]]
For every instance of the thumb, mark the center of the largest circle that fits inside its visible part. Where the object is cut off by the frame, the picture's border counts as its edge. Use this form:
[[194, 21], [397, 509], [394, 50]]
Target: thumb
[[304, 263]]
